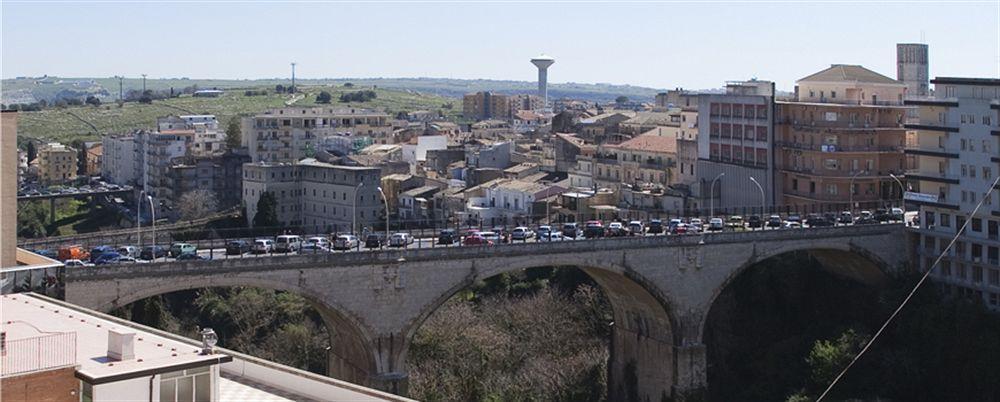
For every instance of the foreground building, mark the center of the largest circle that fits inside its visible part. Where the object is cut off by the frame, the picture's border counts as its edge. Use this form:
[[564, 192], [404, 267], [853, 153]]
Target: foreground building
[[955, 163]]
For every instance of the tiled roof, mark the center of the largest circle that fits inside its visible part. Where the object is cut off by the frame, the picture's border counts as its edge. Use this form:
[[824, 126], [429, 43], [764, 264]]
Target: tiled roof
[[649, 143], [848, 72]]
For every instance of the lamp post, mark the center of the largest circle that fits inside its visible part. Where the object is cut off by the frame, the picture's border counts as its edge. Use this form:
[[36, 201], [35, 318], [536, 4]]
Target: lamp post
[[152, 219], [354, 212], [763, 200], [386, 213], [138, 220], [851, 191], [902, 191], [711, 195]]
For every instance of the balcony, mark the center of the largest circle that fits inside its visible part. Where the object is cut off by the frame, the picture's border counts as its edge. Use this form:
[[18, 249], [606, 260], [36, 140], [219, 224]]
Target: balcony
[[936, 152], [38, 353], [931, 127], [839, 148], [839, 197], [844, 174], [936, 177]]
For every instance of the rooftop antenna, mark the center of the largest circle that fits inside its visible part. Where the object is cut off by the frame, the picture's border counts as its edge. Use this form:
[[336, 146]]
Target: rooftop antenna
[[293, 76], [144, 83]]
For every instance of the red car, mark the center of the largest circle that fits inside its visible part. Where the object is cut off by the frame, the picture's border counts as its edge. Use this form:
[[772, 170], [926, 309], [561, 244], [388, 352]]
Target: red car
[[476, 240], [681, 228]]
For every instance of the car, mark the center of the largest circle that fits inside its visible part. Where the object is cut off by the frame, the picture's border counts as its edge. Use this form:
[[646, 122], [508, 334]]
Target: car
[[76, 263], [491, 236], [543, 230], [817, 220], [754, 221], [319, 242], [191, 257], [593, 229], [476, 240], [716, 224], [655, 226], [571, 230], [130, 251], [149, 253], [635, 228], [794, 218], [238, 247], [863, 220], [110, 257], [673, 223], [680, 228], [695, 225], [500, 231], [261, 246], [792, 225], [896, 214], [616, 229], [96, 252], [735, 222], [867, 215], [374, 240], [774, 221], [846, 217], [882, 215], [313, 248], [177, 249], [346, 242], [75, 252], [553, 236], [521, 233], [287, 243], [400, 240], [448, 236]]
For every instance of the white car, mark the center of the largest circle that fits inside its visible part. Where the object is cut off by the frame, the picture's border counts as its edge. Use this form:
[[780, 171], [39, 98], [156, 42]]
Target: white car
[[128, 251], [696, 225], [76, 263], [521, 233], [554, 236], [287, 243], [345, 242], [635, 228], [319, 242], [616, 229], [261, 246], [400, 240], [716, 224], [491, 236]]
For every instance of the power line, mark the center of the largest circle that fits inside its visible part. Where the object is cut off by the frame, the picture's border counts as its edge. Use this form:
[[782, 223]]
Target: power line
[[912, 292]]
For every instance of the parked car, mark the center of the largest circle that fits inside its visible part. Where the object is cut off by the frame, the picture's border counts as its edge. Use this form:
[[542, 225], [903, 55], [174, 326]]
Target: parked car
[[110, 257], [318, 242], [553, 236], [261, 246], [521, 233], [635, 228], [817, 220], [896, 214], [400, 240], [695, 225], [75, 252], [735, 222], [774, 221], [448, 236], [716, 224], [177, 249], [868, 215], [152, 252], [96, 252], [593, 229], [616, 229], [680, 228], [491, 236], [794, 218], [655, 226], [792, 225], [76, 263], [129, 251], [571, 230], [238, 247], [476, 240], [543, 230], [846, 217], [374, 240], [191, 257], [865, 220], [754, 221], [287, 243], [346, 242], [882, 215], [673, 224]]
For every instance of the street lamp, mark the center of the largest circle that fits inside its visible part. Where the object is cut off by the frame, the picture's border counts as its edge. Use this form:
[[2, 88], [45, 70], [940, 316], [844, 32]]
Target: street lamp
[[763, 200], [902, 191], [851, 190], [138, 220], [152, 218], [386, 213], [354, 212], [711, 195]]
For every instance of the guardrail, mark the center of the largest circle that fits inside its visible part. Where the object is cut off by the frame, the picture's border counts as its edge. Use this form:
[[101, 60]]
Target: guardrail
[[20, 356]]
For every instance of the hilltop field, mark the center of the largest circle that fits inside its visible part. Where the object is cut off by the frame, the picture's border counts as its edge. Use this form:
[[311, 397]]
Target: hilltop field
[[88, 123]]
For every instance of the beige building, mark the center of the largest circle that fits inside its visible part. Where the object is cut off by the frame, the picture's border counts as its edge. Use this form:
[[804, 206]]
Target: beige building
[[56, 163], [648, 159], [486, 105], [841, 140], [93, 164], [290, 134]]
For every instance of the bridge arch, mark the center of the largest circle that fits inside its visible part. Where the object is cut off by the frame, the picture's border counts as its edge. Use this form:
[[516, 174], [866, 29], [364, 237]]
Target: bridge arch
[[642, 360], [351, 356]]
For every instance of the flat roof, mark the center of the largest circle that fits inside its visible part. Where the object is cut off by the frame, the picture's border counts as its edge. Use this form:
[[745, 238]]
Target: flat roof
[[28, 316]]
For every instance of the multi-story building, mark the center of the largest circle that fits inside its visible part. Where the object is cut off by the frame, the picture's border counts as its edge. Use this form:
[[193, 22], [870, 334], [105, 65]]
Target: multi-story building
[[315, 193], [842, 140], [911, 68], [94, 155], [525, 102], [645, 159], [118, 159], [492, 155], [220, 175], [956, 162], [735, 138], [56, 163], [486, 105], [291, 134], [154, 156]]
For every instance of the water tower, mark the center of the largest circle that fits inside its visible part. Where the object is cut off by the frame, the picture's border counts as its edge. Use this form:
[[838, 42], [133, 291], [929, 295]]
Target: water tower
[[543, 62]]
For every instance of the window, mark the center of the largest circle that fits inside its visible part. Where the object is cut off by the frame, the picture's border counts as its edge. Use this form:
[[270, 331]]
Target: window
[[977, 274], [995, 277], [187, 385], [831, 164], [977, 225], [831, 189]]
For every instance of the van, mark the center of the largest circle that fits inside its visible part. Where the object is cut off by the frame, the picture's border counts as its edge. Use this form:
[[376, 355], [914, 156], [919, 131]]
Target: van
[[76, 252], [262, 246], [177, 249], [287, 243]]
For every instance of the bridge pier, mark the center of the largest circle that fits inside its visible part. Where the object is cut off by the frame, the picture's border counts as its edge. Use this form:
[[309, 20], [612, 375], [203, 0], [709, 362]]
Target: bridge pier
[[691, 365], [391, 375]]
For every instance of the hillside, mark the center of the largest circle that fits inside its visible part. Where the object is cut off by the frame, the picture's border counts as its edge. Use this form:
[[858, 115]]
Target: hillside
[[89, 123]]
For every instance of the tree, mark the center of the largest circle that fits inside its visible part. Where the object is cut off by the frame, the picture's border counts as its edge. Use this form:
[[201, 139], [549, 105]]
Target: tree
[[197, 204], [621, 99], [323, 97], [146, 97], [348, 85], [234, 135], [31, 220], [279, 88], [32, 151], [267, 211], [92, 100]]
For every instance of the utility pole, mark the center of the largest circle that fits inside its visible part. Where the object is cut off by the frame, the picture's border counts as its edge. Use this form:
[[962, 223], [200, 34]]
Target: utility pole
[[144, 84], [121, 86], [293, 77]]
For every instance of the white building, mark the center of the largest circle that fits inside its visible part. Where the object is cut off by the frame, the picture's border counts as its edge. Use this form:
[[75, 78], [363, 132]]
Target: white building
[[955, 160], [416, 150], [513, 201], [118, 159], [290, 134]]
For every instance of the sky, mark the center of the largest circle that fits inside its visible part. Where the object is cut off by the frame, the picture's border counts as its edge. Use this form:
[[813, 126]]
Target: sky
[[654, 44]]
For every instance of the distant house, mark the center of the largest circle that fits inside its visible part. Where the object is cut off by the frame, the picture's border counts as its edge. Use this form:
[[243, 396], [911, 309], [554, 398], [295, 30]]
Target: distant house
[[208, 93]]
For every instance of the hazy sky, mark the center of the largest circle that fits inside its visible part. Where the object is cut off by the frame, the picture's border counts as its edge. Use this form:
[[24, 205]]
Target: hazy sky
[[661, 45]]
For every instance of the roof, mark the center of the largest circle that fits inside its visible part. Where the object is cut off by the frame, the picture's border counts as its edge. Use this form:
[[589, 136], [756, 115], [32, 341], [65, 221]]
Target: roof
[[848, 73], [649, 143], [523, 186], [397, 177], [316, 163], [966, 81], [423, 190], [654, 118], [521, 167]]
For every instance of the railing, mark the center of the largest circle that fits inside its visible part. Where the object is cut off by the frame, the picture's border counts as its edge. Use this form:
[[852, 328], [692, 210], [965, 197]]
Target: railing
[[840, 173], [839, 148], [38, 353]]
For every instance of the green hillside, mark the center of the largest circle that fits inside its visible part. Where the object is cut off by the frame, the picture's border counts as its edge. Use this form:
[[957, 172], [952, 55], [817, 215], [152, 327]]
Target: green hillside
[[89, 122]]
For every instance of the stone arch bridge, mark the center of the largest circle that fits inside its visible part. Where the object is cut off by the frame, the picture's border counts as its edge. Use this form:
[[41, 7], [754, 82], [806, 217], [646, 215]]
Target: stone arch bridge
[[661, 289]]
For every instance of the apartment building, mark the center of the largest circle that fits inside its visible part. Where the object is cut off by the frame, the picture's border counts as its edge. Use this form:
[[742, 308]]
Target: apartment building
[[290, 134], [154, 156], [56, 163], [118, 159], [220, 175], [486, 105], [94, 155], [645, 159], [485, 154], [315, 193], [206, 139], [956, 160], [734, 136], [525, 102], [841, 140]]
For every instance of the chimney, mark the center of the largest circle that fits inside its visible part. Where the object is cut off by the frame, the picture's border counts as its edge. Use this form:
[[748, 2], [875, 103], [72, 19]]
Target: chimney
[[121, 344]]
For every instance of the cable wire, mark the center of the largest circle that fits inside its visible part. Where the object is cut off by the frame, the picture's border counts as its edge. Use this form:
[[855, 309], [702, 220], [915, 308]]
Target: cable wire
[[912, 292]]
